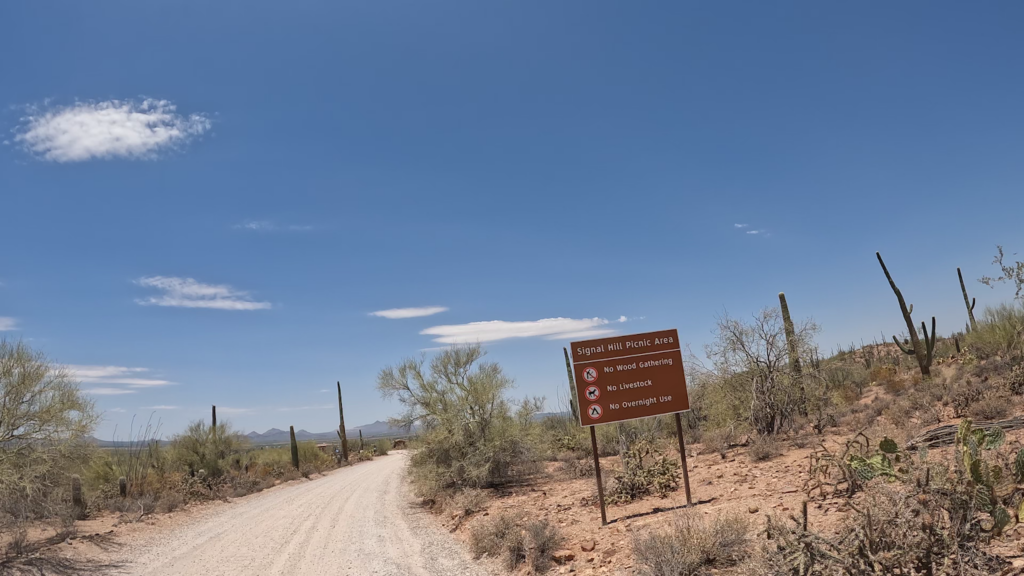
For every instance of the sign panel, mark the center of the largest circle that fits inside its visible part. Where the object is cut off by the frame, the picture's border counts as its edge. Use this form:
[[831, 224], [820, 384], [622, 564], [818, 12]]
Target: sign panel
[[629, 377]]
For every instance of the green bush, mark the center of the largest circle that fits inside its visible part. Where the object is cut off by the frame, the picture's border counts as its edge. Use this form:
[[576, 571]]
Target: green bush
[[473, 436], [1000, 332], [658, 475]]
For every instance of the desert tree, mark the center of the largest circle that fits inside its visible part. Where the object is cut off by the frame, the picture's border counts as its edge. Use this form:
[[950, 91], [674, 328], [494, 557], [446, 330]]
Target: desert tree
[[474, 435], [750, 359], [1009, 273], [44, 420]]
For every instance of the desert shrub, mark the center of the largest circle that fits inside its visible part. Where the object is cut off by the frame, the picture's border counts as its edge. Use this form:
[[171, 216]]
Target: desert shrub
[[658, 475], [514, 541], [500, 537], [200, 447], [764, 448], [990, 408], [17, 539], [467, 502], [690, 545], [574, 468], [542, 540], [473, 436], [880, 374], [311, 457], [965, 395], [169, 502], [1000, 332], [290, 475], [1015, 381], [44, 418], [382, 445], [717, 441]]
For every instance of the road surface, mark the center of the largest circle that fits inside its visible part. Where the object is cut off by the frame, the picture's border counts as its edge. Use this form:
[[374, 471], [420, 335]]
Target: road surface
[[356, 521]]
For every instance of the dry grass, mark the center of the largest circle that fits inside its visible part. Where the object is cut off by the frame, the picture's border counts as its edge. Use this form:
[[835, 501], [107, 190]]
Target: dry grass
[[500, 537], [691, 544], [764, 448]]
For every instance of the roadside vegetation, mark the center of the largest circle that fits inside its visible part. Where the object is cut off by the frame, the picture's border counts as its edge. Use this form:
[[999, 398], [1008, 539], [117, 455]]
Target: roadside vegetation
[[908, 436]]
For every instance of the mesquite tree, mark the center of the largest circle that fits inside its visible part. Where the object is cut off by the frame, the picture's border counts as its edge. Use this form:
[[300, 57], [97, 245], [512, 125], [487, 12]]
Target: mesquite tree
[[922, 353]]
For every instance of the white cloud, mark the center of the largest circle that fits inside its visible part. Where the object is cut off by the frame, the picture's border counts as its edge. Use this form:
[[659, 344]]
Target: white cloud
[[160, 407], [268, 226], [116, 410], [188, 293], [115, 375], [396, 313], [293, 408], [753, 231], [109, 391], [7, 323], [111, 129], [741, 225], [494, 330]]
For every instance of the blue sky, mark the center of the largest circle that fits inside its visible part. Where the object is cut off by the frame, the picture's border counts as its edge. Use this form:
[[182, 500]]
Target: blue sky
[[308, 164]]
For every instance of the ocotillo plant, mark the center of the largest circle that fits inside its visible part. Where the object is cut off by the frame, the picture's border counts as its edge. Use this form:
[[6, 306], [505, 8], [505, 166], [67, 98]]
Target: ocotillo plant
[[295, 447], [341, 427], [922, 353], [573, 406], [795, 369], [970, 303]]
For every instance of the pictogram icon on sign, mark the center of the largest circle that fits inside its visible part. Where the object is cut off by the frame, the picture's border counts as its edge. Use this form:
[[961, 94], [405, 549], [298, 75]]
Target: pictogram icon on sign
[[592, 392], [590, 375], [595, 411]]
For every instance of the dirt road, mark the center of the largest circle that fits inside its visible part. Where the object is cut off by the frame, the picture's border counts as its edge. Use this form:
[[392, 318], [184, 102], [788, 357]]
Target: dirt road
[[355, 521]]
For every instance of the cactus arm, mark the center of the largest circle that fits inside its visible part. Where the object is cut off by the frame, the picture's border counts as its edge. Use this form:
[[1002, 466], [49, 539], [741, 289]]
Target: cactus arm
[[907, 351], [929, 343], [910, 309]]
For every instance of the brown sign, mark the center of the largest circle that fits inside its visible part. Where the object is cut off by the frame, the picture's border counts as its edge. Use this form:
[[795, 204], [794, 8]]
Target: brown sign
[[629, 377]]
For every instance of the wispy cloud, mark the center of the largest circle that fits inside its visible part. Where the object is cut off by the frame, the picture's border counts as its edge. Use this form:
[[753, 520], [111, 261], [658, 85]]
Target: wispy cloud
[[548, 328], [268, 226], [759, 232], [8, 323], [116, 410], [110, 129], [109, 391], [160, 407], [294, 408], [115, 375], [397, 313], [229, 410], [188, 293], [741, 225]]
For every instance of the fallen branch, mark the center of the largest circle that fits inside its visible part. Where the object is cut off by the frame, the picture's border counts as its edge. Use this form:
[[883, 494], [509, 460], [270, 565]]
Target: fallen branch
[[946, 435]]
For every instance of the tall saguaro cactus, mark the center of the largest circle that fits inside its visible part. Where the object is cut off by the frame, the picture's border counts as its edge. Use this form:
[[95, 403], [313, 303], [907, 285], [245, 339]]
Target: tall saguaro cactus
[[922, 353], [970, 303], [295, 448], [573, 407], [341, 427], [360, 440], [795, 370], [213, 423]]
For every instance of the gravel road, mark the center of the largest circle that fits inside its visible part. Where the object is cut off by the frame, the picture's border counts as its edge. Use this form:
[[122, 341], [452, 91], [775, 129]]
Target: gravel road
[[355, 521]]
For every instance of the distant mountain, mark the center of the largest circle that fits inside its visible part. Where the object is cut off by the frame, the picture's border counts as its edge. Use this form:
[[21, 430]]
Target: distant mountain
[[377, 429]]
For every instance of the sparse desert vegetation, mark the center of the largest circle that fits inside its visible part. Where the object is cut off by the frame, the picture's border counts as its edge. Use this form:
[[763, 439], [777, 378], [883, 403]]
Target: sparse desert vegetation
[[896, 440]]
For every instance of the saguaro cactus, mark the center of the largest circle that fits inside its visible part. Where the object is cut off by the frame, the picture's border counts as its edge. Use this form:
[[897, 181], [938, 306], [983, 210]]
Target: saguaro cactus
[[360, 440], [341, 427], [295, 447], [922, 353], [76, 496], [213, 423], [795, 370], [573, 407], [122, 486], [969, 303]]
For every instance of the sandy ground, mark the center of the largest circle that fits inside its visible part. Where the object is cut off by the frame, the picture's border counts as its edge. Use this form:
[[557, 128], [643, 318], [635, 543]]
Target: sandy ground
[[354, 521]]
